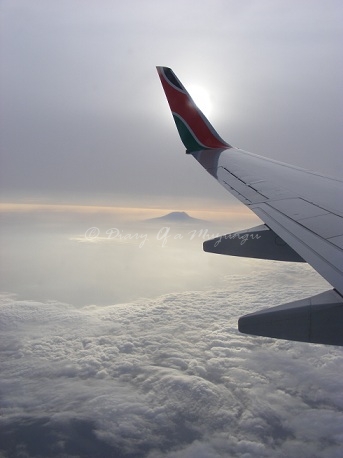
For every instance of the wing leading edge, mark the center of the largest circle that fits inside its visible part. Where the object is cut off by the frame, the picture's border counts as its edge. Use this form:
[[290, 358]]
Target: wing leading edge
[[303, 216]]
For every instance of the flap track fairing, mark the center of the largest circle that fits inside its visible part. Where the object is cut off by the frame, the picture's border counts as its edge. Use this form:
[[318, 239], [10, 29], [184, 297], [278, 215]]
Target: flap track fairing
[[258, 242]]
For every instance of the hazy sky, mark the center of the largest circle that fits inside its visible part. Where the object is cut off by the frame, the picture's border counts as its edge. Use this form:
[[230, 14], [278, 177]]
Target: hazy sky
[[84, 118], [122, 346]]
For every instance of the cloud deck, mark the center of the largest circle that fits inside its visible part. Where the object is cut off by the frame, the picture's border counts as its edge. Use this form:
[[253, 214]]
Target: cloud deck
[[166, 377]]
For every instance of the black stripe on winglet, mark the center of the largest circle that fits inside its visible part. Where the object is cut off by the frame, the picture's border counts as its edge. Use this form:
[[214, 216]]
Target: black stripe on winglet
[[172, 78]]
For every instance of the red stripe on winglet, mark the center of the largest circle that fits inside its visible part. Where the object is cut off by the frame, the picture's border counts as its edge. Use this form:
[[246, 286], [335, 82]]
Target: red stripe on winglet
[[182, 104]]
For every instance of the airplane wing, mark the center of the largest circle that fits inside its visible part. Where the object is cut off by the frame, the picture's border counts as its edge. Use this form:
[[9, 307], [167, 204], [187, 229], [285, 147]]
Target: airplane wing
[[303, 216]]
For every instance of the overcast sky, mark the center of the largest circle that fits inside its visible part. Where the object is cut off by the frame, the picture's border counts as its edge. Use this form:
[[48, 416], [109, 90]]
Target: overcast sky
[[84, 118], [117, 345]]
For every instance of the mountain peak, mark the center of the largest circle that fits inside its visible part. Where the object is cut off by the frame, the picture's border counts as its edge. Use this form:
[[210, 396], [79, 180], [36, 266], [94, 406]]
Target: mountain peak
[[176, 217]]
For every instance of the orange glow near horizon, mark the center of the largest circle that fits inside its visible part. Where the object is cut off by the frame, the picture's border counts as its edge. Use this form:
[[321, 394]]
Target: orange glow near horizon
[[130, 213]]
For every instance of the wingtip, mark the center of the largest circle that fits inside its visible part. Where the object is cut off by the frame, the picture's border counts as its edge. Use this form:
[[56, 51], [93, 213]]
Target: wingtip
[[161, 68], [195, 130]]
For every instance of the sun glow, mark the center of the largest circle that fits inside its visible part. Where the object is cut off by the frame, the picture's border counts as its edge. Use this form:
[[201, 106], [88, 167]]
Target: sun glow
[[202, 99]]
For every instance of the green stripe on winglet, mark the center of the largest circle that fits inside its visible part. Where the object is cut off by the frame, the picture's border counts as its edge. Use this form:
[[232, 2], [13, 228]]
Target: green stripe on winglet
[[187, 138]]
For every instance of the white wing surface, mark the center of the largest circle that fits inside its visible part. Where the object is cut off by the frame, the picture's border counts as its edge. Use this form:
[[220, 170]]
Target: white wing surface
[[303, 216]]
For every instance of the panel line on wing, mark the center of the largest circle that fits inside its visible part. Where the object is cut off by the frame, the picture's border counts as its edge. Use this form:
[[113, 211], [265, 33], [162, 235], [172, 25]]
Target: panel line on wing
[[323, 255], [250, 194]]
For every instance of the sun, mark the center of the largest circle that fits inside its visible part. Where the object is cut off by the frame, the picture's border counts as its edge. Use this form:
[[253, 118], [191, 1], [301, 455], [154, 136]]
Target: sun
[[202, 99]]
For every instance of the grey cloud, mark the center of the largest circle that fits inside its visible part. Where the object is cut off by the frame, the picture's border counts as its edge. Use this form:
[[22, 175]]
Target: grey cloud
[[168, 377]]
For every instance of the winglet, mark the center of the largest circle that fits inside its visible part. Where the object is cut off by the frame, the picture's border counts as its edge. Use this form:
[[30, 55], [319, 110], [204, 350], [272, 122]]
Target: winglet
[[195, 130]]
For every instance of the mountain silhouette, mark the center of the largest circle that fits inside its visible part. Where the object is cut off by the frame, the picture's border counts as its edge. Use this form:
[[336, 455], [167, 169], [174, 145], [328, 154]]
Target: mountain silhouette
[[177, 218]]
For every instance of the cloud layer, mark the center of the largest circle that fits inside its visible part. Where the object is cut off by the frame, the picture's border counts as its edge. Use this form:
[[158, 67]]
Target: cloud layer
[[167, 377]]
